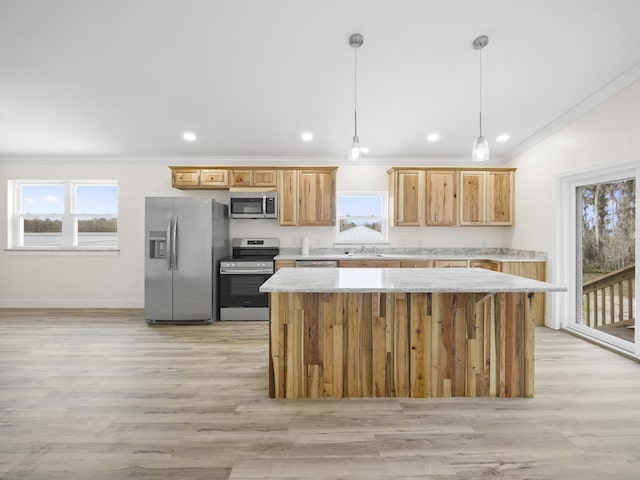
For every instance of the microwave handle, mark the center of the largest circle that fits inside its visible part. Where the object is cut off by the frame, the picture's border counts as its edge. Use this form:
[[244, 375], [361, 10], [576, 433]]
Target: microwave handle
[[264, 205]]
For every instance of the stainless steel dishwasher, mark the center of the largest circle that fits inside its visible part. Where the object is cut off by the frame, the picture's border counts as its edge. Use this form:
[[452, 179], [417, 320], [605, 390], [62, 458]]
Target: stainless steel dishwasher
[[317, 263]]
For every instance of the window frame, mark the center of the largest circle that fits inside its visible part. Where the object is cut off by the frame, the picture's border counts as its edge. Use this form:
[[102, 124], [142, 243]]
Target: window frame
[[69, 217], [384, 217]]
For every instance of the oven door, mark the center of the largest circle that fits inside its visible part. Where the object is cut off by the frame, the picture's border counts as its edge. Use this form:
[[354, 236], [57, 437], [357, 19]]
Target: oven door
[[240, 298]]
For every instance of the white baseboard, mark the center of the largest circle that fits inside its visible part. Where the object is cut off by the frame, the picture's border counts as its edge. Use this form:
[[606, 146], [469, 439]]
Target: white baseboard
[[68, 303]]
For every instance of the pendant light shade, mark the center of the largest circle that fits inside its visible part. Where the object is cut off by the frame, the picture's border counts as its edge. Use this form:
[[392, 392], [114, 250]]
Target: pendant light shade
[[480, 152], [355, 40]]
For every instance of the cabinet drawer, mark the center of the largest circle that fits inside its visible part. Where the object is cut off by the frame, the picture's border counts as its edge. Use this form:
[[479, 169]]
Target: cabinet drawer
[[369, 264], [415, 264], [449, 264]]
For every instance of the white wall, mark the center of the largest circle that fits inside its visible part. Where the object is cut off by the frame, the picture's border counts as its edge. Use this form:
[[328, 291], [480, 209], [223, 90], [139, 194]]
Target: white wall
[[605, 137], [608, 135], [107, 280]]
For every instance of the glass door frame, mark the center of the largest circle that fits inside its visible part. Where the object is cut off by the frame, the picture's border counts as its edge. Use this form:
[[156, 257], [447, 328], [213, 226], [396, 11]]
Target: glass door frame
[[567, 309]]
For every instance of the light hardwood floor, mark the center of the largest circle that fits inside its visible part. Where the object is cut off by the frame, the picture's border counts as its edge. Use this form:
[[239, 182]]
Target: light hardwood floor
[[101, 395]]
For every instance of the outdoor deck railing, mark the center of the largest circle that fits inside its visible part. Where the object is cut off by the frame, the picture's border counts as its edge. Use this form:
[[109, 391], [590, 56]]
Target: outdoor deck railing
[[608, 301]]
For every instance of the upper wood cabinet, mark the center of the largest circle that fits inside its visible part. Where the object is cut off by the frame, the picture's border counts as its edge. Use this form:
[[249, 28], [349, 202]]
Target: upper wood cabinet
[[317, 197], [191, 178], [307, 197], [450, 196], [472, 198], [407, 197], [419, 197], [486, 197], [288, 197], [214, 178], [441, 197], [257, 177], [500, 197], [185, 178]]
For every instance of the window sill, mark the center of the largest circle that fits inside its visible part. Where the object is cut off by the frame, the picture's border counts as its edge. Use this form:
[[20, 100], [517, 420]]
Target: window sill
[[106, 252]]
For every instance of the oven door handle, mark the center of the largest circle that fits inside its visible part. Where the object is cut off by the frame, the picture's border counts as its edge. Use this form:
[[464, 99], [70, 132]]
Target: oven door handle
[[245, 272]]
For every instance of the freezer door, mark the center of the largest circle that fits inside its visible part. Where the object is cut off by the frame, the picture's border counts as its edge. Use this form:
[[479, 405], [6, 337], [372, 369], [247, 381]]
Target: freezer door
[[192, 288], [158, 276]]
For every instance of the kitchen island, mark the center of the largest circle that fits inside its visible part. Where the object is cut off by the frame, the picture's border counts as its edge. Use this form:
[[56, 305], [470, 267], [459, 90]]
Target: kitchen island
[[389, 332]]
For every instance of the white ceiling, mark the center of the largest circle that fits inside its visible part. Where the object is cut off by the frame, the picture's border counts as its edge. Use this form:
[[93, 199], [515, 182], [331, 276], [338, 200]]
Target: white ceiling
[[127, 77]]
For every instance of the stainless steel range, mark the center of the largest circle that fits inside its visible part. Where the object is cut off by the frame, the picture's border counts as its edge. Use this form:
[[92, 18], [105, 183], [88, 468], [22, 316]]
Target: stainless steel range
[[241, 276]]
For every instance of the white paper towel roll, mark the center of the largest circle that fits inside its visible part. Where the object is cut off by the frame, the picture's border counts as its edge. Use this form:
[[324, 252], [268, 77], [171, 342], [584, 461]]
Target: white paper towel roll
[[305, 245]]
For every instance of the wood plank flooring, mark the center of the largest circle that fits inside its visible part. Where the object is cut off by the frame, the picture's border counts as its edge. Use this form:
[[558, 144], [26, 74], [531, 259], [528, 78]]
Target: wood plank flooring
[[101, 395]]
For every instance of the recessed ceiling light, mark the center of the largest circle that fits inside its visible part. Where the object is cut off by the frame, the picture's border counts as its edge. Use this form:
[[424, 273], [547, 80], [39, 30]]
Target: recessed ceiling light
[[189, 136], [432, 137], [364, 149], [502, 137], [307, 136]]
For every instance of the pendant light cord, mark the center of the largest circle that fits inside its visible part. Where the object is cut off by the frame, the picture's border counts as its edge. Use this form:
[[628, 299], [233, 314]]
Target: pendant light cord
[[480, 92], [355, 90]]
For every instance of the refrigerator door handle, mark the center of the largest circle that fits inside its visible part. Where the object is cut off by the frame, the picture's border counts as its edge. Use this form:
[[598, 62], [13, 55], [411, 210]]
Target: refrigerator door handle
[[174, 244], [169, 242]]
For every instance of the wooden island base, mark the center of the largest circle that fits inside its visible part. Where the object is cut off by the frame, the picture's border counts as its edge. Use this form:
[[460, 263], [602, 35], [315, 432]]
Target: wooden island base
[[401, 344]]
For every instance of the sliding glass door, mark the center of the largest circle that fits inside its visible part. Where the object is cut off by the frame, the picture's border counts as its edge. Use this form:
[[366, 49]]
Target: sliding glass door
[[606, 245]]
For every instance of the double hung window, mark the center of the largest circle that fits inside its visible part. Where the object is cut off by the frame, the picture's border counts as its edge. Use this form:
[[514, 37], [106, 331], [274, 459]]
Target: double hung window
[[63, 214], [362, 217]]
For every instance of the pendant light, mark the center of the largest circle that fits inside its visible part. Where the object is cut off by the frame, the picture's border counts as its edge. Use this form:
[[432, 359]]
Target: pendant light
[[480, 152], [355, 40]]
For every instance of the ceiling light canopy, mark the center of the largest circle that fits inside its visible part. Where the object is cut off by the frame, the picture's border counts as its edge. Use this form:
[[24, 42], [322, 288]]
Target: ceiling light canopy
[[433, 137], [480, 152], [356, 40], [307, 136]]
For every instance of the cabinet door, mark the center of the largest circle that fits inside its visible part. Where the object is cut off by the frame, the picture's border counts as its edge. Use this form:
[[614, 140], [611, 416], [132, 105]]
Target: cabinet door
[[287, 197], [264, 178], [240, 178], [442, 197], [185, 178], [535, 271], [499, 198], [472, 198], [409, 197], [316, 197], [214, 178]]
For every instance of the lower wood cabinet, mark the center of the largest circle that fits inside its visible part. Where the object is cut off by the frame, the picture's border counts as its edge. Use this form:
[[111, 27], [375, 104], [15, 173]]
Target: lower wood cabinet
[[416, 263], [450, 263], [369, 263], [285, 264]]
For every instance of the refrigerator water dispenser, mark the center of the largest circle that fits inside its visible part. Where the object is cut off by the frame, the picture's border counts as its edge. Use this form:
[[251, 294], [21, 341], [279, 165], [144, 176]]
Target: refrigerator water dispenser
[[158, 245]]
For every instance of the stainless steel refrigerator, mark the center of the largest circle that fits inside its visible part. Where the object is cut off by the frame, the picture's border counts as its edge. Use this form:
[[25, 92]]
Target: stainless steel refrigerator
[[185, 238]]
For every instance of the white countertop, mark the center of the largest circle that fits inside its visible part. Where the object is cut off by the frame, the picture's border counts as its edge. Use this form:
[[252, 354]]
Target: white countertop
[[331, 280], [406, 256]]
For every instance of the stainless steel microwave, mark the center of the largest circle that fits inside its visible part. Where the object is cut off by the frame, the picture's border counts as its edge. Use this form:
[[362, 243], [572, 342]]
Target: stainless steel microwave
[[256, 204]]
